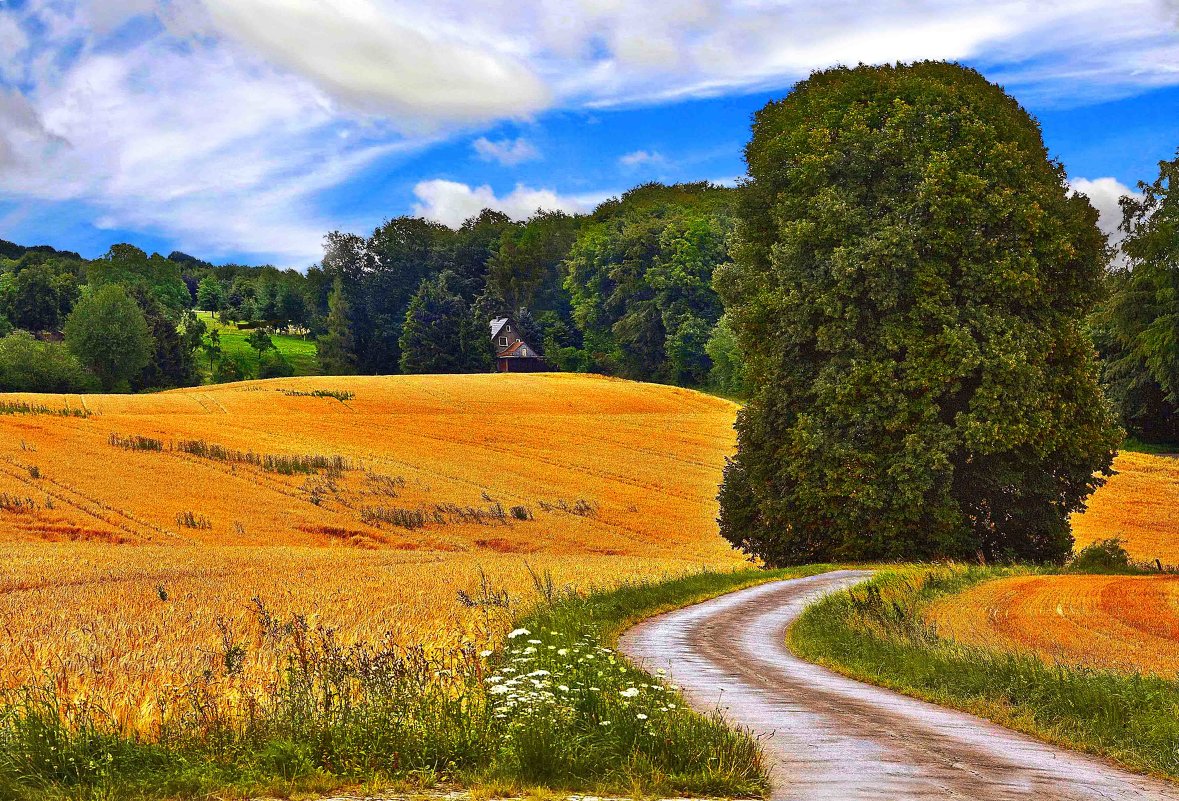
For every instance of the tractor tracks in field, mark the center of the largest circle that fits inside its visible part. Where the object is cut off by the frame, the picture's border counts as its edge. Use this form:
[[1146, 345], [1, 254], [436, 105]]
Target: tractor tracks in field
[[829, 737]]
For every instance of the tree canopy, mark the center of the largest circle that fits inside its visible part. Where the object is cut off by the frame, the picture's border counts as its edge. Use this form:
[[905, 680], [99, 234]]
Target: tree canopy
[[908, 286]]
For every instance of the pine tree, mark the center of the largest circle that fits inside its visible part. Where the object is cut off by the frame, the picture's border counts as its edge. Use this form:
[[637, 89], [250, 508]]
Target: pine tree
[[337, 355]]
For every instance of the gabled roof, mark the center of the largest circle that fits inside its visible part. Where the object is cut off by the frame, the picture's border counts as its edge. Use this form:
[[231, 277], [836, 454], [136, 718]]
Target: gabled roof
[[513, 352], [497, 324]]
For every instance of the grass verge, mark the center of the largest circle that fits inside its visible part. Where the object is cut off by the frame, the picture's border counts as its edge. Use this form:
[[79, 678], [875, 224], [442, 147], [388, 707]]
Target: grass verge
[[875, 633], [554, 707]]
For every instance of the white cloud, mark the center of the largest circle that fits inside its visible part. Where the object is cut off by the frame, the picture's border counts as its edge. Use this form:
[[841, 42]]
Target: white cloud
[[452, 202], [219, 123], [508, 152], [376, 57], [1104, 194], [641, 157]]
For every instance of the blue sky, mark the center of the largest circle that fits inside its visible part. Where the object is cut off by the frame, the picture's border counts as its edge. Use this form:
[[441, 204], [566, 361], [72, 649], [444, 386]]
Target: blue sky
[[243, 130]]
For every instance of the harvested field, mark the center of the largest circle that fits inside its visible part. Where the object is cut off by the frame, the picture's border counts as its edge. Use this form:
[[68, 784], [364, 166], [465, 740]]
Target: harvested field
[[1118, 622], [1140, 505], [129, 533]]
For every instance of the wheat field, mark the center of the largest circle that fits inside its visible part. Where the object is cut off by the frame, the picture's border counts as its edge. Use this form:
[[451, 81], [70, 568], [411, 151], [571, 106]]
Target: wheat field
[[1116, 622], [137, 529]]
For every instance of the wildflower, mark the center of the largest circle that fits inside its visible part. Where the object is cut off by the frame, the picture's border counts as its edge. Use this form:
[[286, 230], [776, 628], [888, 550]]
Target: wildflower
[[534, 642], [518, 633], [629, 692], [563, 652], [499, 689], [640, 716], [485, 654], [563, 688], [530, 650], [604, 723]]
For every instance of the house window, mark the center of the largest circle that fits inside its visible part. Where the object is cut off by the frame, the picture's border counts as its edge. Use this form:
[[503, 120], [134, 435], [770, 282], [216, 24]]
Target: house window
[[508, 328], [523, 351], [503, 342]]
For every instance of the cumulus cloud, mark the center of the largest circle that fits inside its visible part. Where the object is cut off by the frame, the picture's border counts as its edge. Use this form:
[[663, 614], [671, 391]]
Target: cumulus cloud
[[641, 157], [452, 202], [1105, 194], [508, 152]]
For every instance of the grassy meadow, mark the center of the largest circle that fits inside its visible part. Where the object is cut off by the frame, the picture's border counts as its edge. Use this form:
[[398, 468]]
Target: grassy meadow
[[299, 351]]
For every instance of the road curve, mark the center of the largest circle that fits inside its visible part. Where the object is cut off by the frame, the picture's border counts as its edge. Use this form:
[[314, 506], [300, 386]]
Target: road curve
[[835, 739]]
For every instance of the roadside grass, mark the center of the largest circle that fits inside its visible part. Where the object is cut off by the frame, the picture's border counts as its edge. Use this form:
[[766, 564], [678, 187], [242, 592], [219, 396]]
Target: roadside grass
[[875, 632], [554, 707], [301, 353]]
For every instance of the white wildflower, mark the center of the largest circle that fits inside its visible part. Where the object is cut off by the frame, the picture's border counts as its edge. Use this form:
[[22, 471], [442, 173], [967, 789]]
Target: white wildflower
[[640, 716], [518, 633], [629, 692]]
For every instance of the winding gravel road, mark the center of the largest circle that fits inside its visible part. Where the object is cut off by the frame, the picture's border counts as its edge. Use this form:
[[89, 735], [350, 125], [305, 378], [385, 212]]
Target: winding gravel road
[[832, 738]]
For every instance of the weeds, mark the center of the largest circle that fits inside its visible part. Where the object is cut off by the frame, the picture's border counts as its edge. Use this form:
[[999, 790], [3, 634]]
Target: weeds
[[193, 520], [11, 407], [340, 395], [16, 504], [555, 706], [283, 465], [580, 507], [136, 443]]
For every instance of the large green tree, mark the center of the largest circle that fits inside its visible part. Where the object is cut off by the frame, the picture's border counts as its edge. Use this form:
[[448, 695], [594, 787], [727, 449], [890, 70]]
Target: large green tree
[[336, 349], [440, 334], [109, 333], [1137, 329], [908, 291]]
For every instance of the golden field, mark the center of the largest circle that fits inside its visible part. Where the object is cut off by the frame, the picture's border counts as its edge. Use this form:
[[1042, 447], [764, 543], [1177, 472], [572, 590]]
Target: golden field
[[1139, 505], [1118, 622], [118, 563]]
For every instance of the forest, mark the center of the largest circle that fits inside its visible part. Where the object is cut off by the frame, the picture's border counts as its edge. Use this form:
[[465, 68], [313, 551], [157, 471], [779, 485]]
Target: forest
[[626, 290]]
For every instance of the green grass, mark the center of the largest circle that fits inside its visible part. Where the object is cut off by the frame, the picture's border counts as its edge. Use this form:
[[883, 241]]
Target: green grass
[[301, 353], [556, 708], [1137, 446], [875, 633]]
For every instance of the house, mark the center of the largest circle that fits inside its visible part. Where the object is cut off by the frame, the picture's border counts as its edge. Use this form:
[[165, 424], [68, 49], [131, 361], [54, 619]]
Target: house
[[512, 353]]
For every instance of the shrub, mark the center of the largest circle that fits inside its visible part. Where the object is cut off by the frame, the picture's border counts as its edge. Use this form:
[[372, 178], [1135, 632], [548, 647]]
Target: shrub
[[29, 365], [1105, 556]]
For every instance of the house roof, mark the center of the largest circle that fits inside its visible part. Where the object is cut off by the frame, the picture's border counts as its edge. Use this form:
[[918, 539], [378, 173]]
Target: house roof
[[497, 324], [513, 352]]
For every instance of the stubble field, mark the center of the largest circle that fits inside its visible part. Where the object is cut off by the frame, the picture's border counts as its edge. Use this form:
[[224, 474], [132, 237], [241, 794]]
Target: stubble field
[[137, 534], [1128, 623]]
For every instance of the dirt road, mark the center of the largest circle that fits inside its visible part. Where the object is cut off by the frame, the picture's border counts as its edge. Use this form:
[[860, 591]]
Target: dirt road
[[835, 739]]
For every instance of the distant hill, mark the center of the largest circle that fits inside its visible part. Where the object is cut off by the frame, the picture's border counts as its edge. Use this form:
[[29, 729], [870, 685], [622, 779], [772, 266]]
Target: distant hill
[[11, 250]]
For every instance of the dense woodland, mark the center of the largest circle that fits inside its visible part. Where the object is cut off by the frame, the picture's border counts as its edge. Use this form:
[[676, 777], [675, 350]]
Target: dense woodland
[[626, 290]]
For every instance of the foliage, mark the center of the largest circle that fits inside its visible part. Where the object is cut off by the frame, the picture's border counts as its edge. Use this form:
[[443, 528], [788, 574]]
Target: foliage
[[440, 334], [640, 283], [108, 332], [908, 290], [129, 267], [1137, 329], [336, 348], [876, 633], [210, 294], [1103, 557], [727, 375], [30, 365]]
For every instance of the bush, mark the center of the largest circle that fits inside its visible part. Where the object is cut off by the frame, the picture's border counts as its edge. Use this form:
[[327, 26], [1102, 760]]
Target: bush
[[1105, 556], [272, 364], [30, 365]]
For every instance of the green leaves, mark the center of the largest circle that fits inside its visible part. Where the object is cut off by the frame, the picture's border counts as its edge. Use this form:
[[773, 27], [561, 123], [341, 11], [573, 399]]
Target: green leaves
[[909, 272]]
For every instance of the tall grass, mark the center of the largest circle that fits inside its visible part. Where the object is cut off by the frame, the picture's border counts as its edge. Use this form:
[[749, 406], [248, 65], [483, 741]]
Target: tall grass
[[14, 407], [876, 633], [554, 706]]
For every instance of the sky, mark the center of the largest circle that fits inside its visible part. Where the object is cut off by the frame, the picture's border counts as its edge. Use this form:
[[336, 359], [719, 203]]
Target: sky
[[244, 130]]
